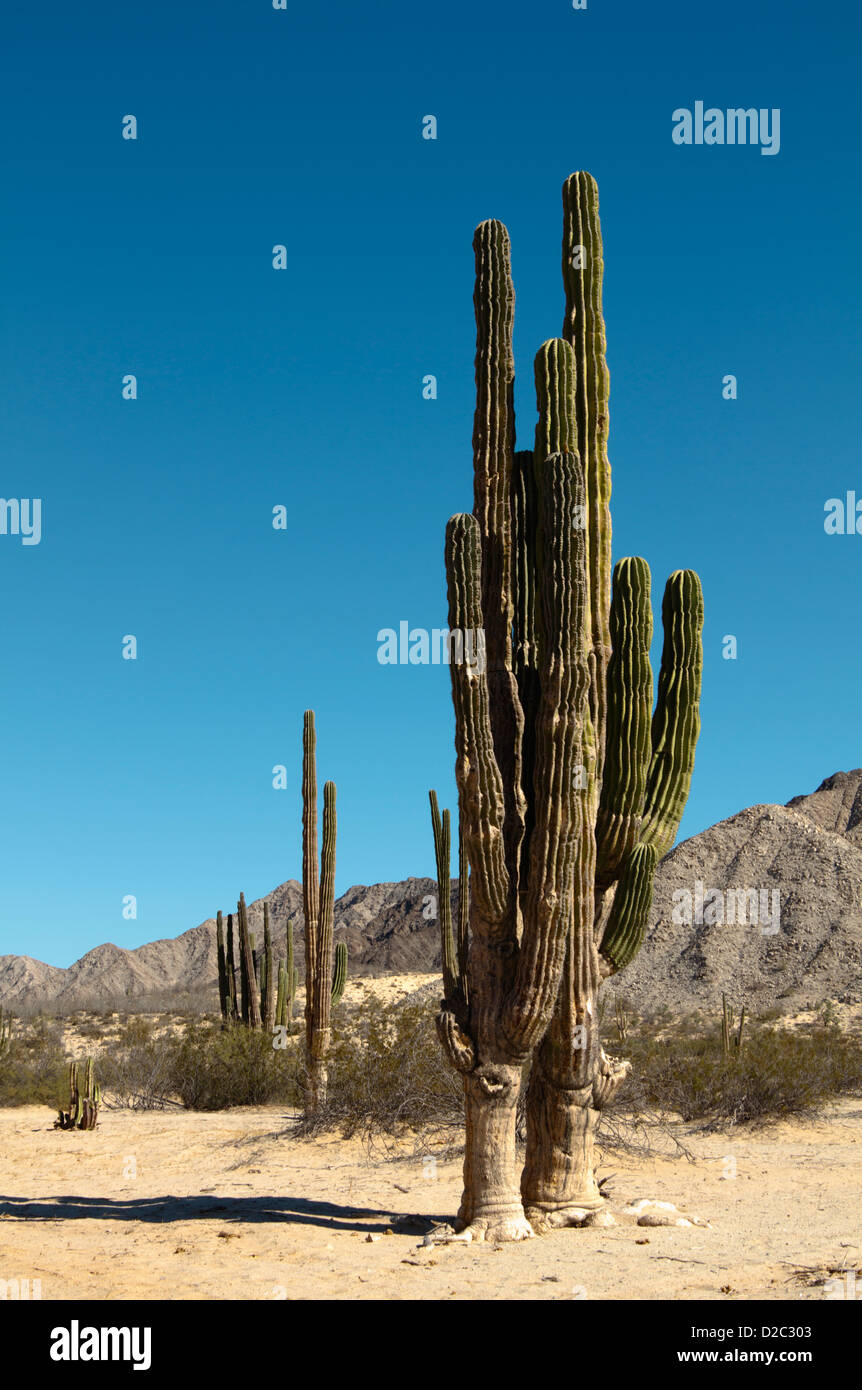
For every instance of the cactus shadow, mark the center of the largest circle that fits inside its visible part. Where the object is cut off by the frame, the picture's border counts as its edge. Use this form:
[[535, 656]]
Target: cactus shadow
[[302, 1211]]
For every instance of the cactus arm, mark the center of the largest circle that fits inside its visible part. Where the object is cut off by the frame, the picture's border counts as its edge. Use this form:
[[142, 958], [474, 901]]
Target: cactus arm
[[440, 826], [629, 709], [584, 328], [626, 925], [339, 972], [493, 455], [676, 722]]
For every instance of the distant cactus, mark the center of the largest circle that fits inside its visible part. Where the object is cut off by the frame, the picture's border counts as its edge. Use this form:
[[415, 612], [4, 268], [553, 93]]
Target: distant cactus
[[267, 978], [729, 1039], [318, 896], [5, 1031], [454, 949], [267, 991], [83, 1109], [223, 981]]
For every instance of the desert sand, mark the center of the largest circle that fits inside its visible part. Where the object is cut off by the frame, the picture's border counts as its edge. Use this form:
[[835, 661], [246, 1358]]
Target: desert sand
[[183, 1205]]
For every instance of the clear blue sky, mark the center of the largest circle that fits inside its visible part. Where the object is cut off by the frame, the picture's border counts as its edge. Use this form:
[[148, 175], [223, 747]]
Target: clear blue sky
[[303, 387]]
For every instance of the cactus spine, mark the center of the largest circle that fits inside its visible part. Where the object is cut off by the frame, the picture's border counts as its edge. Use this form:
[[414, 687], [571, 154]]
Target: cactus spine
[[568, 792], [83, 1111]]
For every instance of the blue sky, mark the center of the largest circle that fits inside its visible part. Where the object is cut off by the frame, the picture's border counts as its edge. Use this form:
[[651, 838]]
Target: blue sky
[[302, 387]]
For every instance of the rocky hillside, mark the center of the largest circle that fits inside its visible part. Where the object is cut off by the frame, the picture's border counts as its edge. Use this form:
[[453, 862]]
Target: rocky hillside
[[766, 906]]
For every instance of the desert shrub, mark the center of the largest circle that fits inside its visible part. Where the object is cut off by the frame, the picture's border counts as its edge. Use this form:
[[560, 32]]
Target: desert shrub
[[213, 1068], [135, 1069], [35, 1067], [204, 1067], [775, 1073], [387, 1072]]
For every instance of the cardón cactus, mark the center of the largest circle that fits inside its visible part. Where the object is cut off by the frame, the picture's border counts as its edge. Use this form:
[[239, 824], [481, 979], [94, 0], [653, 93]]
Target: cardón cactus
[[324, 984], [267, 990], [568, 790]]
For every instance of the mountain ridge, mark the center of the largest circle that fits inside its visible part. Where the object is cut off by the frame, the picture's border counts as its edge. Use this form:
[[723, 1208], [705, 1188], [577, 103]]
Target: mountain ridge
[[808, 851]]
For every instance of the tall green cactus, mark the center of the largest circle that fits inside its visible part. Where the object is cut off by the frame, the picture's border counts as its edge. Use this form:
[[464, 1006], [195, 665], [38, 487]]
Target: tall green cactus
[[454, 948], [568, 793], [223, 980], [318, 895], [251, 1014], [268, 980]]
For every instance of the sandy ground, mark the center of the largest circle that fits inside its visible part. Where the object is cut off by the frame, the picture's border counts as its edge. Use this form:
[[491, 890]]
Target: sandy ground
[[212, 1206]]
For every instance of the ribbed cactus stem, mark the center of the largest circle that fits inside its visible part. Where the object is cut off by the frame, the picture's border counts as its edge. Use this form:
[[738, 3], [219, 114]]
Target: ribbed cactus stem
[[231, 971], [440, 827], [624, 932], [339, 972], [223, 988], [319, 904], [629, 712], [268, 982], [463, 911], [250, 1001], [281, 997], [290, 977], [584, 328], [83, 1112]]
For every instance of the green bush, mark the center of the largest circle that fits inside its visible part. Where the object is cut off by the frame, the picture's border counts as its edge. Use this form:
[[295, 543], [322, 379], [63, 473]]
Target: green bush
[[776, 1072], [34, 1070], [214, 1068]]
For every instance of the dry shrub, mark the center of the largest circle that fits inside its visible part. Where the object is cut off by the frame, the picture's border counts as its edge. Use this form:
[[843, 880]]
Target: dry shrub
[[775, 1073], [387, 1073]]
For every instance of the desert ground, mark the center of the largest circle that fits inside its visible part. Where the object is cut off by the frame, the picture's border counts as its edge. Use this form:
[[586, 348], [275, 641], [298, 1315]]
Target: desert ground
[[178, 1204]]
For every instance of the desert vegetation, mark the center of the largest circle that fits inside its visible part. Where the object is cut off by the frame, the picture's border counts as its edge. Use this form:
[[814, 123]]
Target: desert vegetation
[[389, 1078]]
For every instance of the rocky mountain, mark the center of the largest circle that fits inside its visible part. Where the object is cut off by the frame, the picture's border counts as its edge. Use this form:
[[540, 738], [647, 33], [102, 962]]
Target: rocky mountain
[[777, 919], [765, 906], [388, 927]]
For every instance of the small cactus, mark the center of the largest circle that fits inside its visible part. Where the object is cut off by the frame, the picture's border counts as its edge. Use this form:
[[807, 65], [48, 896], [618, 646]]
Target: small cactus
[[729, 1039], [83, 1109], [5, 1031]]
